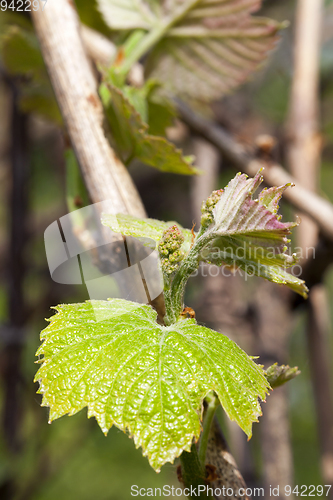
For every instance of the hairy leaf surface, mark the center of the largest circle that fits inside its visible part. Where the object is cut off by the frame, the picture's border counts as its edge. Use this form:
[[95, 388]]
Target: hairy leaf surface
[[206, 47], [144, 378], [149, 231], [249, 233], [132, 139]]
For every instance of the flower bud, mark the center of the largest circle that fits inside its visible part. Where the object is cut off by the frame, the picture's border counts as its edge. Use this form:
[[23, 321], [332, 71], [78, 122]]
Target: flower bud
[[207, 208], [170, 249]]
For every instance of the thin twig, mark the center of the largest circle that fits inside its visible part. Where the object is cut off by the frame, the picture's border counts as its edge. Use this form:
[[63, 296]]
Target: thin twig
[[100, 47]]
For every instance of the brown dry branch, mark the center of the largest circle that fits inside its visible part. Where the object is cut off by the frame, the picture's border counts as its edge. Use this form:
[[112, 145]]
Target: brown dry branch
[[303, 151], [100, 47], [72, 77], [225, 471], [318, 347], [304, 142]]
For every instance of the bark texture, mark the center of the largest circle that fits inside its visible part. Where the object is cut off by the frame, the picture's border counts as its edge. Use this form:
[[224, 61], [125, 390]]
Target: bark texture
[[73, 80]]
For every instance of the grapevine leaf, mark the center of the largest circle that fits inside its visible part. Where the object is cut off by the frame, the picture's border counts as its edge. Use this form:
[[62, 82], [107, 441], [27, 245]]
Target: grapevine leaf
[[132, 139], [270, 197], [138, 96], [149, 231], [206, 47], [144, 378], [249, 234], [128, 14], [21, 56], [156, 111], [161, 114]]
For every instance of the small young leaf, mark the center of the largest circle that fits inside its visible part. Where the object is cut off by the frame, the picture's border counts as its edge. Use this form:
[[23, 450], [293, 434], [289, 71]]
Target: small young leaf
[[279, 375], [206, 47], [156, 111], [149, 231], [132, 140], [249, 234], [146, 379], [161, 114], [270, 197]]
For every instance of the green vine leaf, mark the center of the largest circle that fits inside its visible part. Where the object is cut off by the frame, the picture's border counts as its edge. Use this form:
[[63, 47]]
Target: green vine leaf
[[161, 113], [249, 234], [203, 48], [156, 111], [148, 231], [129, 14], [131, 139], [146, 379]]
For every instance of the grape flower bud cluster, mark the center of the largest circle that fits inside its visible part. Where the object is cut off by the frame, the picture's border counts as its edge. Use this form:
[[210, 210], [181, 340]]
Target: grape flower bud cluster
[[207, 208], [170, 249]]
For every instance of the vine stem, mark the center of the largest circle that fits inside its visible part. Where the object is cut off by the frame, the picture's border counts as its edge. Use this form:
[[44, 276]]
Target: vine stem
[[192, 463], [187, 267], [212, 405], [193, 474], [169, 317]]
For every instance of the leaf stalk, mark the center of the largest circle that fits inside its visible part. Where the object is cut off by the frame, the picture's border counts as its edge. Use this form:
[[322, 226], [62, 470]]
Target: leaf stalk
[[212, 405], [193, 473], [187, 267]]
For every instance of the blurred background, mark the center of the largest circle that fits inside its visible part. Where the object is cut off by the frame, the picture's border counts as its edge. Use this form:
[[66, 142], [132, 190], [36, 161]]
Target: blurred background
[[71, 458]]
